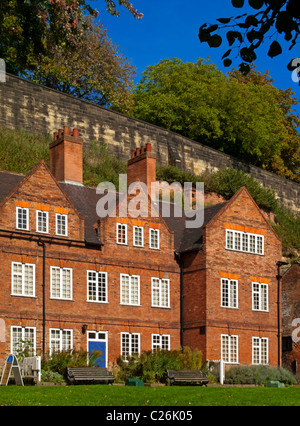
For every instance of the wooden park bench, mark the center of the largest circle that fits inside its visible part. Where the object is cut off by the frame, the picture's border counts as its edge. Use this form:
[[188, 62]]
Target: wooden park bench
[[89, 374], [195, 377]]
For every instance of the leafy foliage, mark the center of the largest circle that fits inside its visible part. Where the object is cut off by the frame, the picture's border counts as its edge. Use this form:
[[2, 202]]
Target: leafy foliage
[[248, 31], [246, 117], [95, 71], [151, 366], [258, 375]]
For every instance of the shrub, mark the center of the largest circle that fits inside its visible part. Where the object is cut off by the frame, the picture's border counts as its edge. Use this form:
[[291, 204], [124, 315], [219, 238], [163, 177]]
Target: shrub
[[52, 377], [258, 375], [58, 362], [151, 366]]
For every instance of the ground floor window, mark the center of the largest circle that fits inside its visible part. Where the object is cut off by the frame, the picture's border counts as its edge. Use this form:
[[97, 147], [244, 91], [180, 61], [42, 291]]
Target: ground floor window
[[130, 344], [260, 350], [230, 349], [23, 339], [161, 342], [60, 340]]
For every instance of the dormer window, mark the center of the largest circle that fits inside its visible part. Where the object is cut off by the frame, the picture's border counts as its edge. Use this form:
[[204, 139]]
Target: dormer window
[[121, 233], [42, 221], [22, 218], [244, 241], [62, 224], [138, 236]]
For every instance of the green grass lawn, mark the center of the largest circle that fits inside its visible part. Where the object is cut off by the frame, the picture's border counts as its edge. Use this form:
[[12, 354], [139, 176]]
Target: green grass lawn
[[103, 395]]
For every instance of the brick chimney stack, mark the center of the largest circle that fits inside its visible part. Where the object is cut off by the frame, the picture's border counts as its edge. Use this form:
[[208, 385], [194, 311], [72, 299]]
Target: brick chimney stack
[[66, 156], [142, 166]]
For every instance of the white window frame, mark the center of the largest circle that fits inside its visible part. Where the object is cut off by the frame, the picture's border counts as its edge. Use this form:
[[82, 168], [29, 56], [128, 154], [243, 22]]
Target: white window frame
[[26, 210], [23, 336], [130, 284], [158, 288], [125, 227], [257, 350], [125, 354], [96, 283], [59, 339], [233, 358], [38, 224], [232, 293], [60, 297], [159, 344], [22, 275], [157, 233], [257, 297], [65, 216], [237, 241], [135, 229]]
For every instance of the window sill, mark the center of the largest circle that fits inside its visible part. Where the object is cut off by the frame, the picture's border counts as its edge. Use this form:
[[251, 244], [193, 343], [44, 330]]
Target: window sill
[[160, 307], [24, 295], [98, 301], [130, 304], [63, 300]]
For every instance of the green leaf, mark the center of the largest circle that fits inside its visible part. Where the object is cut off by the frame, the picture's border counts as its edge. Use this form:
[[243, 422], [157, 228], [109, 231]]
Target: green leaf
[[224, 20], [238, 3], [256, 4], [226, 53], [227, 62], [215, 41], [275, 49]]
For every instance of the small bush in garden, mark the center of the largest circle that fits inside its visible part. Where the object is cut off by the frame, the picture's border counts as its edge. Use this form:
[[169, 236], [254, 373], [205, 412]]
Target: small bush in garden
[[258, 375], [52, 377]]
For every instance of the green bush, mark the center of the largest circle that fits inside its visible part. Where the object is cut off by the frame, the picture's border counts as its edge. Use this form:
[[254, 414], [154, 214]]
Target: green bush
[[52, 377], [258, 375], [58, 362], [151, 366]]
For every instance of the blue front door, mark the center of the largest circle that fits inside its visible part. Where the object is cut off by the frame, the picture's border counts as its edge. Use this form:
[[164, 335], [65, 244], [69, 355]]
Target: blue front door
[[98, 346]]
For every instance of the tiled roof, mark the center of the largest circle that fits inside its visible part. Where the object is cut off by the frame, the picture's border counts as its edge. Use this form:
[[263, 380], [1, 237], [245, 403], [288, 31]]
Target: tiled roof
[[85, 200]]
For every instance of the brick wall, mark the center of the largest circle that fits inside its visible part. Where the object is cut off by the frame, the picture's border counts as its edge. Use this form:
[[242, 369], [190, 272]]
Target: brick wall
[[112, 317], [203, 274], [38, 109]]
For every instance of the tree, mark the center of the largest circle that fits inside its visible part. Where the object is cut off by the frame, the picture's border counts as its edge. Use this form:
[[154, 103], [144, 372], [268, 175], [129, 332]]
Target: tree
[[25, 24], [94, 71], [246, 117], [246, 32]]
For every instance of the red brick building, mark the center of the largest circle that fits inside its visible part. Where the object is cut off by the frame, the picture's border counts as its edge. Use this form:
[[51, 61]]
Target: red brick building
[[291, 318], [70, 279]]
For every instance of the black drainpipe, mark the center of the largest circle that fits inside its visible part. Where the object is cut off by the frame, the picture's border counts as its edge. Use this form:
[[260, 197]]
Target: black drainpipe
[[180, 262], [41, 243], [279, 276]]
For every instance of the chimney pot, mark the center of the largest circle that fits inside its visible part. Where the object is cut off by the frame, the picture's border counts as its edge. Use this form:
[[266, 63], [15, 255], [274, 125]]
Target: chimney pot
[[138, 151], [75, 133], [66, 130], [148, 147]]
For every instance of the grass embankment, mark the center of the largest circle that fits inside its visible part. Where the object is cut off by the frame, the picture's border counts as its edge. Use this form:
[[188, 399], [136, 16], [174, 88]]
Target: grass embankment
[[111, 396]]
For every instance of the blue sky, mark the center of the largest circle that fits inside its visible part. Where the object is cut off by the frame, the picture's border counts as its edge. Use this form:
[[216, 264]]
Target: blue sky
[[170, 28]]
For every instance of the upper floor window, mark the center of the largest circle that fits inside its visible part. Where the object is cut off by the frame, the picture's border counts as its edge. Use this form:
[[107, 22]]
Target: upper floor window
[[138, 236], [22, 218], [260, 297], [62, 224], [121, 233], [42, 221], [160, 293], [130, 289], [97, 286], [246, 242], [154, 238], [229, 290], [61, 283], [23, 279]]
